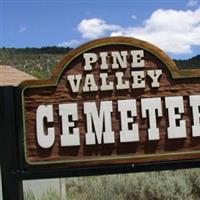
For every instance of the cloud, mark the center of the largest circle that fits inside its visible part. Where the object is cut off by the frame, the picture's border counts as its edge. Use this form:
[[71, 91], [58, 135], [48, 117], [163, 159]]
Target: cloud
[[72, 43], [22, 29], [94, 28], [174, 31], [133, 17], [192, 3]]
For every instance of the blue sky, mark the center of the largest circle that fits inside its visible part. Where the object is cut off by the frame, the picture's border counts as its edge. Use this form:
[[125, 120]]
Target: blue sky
[[173, 25]]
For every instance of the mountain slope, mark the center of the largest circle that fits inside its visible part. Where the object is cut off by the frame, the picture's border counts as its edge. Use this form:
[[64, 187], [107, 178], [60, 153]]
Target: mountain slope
[[41, 61]]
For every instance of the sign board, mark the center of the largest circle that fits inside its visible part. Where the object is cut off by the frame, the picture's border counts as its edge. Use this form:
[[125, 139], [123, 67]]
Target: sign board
[[112, 101]]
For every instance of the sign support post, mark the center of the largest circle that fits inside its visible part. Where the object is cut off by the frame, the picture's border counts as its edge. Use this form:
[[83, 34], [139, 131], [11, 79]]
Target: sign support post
[[11, 184]]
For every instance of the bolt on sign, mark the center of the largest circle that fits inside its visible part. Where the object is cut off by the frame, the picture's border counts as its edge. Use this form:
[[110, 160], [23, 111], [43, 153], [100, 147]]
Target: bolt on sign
[[112, 101]]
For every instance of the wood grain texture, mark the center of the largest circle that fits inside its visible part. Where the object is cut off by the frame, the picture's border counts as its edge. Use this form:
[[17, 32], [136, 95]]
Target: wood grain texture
[[57, 91]]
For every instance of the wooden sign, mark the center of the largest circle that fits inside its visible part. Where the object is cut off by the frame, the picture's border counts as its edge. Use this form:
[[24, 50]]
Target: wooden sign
[[112, 101]]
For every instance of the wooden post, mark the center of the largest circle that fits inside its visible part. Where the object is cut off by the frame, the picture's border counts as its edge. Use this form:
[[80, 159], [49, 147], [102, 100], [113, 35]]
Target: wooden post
[[63, 194], [11, 184]]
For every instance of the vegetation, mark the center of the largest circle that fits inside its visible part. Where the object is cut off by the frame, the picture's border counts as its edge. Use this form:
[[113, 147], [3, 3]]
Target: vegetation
[[50, 194], [193, 63], [167, 185], [40, 62]]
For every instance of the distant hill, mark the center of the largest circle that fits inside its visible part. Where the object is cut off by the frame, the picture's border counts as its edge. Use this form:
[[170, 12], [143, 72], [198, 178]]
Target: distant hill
[[40, 61], [36, 61], [193, 63], [34, 50]]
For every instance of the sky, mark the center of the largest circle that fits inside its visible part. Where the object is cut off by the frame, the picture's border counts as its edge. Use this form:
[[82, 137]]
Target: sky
[[172, 25]]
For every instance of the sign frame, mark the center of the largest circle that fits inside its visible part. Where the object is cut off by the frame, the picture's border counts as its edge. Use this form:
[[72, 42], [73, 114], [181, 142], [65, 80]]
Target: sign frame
[[53, 82]]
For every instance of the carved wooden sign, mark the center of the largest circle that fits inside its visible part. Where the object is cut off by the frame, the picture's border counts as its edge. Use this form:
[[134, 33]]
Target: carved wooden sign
[[112, 101]]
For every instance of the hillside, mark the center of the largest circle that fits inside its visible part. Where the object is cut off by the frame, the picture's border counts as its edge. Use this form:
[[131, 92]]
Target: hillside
[[36, 61], [40, 61], [193, 63]]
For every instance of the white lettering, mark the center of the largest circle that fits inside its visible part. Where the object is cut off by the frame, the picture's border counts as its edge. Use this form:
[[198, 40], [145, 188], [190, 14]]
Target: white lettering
[[102, 123], [195, 104], [90, 58], [153, 107], [177, 127], [44, 139], [69, 138], [128, 134]]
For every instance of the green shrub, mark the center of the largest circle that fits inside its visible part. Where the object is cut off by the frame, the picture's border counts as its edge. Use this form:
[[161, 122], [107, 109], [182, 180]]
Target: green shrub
[[50, 194], [29, 195], [168, 185]]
